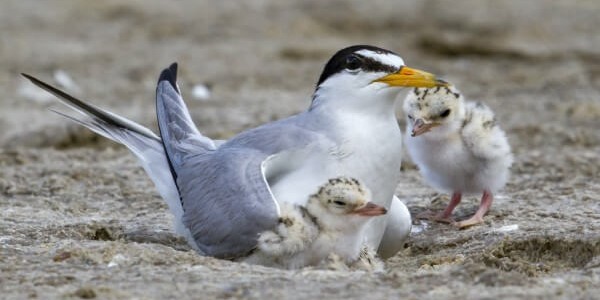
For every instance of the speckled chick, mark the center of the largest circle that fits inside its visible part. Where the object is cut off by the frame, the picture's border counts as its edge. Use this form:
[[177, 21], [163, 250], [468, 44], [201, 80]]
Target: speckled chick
[[458, 147], [329, 224]]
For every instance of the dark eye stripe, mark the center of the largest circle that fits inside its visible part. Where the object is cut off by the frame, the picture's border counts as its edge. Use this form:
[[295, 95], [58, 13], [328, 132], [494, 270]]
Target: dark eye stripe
[[371, 65]]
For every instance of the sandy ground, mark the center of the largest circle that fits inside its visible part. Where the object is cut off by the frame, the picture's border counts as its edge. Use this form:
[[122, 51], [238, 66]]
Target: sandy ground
[[79, 218]]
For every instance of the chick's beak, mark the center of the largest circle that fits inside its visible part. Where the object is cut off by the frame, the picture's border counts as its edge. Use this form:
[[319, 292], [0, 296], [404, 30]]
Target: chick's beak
[[420, 127], [370, 209], [409, 77]]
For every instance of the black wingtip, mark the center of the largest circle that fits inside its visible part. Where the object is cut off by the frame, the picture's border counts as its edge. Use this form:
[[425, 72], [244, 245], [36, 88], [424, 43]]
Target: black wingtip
[[42, 84], [169, 74], [31, 78]]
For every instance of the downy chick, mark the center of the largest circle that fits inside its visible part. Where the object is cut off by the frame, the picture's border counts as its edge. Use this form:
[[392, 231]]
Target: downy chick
[[458, 147], [331, 223]]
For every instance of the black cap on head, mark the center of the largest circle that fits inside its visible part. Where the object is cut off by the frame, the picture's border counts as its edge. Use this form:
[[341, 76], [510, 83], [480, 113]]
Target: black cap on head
[[348, 59]]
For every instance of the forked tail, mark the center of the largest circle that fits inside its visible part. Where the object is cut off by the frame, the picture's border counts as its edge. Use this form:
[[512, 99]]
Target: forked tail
[[146, 145]]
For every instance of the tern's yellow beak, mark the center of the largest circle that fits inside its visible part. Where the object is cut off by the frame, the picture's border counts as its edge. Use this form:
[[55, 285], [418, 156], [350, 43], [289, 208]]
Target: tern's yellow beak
[[409, 77]]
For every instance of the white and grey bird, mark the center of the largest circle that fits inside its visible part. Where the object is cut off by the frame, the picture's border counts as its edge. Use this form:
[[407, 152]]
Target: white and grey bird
[[224, 193], [330, 224], [458, 147]]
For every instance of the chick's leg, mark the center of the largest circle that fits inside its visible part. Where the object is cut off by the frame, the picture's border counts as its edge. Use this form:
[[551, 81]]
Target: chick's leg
[[484, 207], [446, 215]]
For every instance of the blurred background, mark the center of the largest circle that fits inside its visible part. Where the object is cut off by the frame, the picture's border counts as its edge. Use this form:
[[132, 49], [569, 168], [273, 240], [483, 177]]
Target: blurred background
[[261, 58]]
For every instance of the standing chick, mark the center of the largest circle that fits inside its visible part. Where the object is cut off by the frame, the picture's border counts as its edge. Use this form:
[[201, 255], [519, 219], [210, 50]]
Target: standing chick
[[457, 146], [331, 223]]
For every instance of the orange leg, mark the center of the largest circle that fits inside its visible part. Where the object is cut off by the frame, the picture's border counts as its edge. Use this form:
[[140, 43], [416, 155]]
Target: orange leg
[[477, 218]]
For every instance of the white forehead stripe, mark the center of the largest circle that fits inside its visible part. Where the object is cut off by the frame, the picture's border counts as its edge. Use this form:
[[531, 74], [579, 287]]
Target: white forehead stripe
[[384, 58]]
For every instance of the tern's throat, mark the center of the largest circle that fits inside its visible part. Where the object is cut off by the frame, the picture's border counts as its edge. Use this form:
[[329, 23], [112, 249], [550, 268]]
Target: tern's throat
[[376, 102]]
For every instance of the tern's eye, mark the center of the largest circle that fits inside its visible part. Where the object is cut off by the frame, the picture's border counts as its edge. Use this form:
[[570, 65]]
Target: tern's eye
[[340, 203], [445, 113], [353, 62]]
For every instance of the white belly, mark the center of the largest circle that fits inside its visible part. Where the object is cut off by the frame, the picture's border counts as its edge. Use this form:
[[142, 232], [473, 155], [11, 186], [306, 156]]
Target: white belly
[[374, 160], [447, 165]]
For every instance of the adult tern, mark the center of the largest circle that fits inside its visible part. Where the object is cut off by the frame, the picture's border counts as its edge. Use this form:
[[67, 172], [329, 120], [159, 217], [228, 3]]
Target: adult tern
[[224, 194]]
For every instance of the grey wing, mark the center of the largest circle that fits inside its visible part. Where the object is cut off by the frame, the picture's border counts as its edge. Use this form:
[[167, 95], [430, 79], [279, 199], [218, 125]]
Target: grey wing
[[225, 196], [227, 201], [177, 130]]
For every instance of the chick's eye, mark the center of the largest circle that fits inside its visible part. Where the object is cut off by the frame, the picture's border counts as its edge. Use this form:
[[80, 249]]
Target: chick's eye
[[445, 113], [410, 117], [340, 203], [353, 63]]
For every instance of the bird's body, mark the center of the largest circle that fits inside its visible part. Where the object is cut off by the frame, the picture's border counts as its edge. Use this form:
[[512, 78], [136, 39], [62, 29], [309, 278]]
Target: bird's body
[[224, 193], [330, 224], [347, 139], [457, 146]]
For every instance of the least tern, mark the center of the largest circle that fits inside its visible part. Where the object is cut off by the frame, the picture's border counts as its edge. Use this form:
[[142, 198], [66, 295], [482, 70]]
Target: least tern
[[330, 224], [223, 194], [458, 147]]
